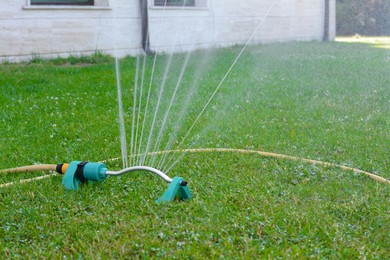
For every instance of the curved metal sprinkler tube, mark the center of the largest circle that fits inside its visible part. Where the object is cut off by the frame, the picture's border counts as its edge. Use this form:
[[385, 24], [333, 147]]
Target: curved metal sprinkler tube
[[177, 187], [141, 168]]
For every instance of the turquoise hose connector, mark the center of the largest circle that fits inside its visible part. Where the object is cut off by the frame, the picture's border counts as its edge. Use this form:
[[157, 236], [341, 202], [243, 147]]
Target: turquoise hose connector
[[79, 171]]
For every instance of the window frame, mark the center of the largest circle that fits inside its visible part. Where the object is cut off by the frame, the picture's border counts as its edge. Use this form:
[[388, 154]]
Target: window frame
[[67, 3], [97, 5], [174, 3]]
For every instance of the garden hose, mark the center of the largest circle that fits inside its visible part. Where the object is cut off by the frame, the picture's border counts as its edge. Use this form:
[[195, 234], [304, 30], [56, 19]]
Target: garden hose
[[373, 176], [62, 168], [31, 168]]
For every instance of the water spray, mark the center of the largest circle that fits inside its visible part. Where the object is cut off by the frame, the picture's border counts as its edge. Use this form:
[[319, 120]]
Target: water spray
[[77, 172]]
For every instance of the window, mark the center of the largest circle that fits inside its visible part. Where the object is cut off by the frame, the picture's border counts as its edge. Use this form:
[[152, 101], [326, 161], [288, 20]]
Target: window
[[62, 2], [174, 2]]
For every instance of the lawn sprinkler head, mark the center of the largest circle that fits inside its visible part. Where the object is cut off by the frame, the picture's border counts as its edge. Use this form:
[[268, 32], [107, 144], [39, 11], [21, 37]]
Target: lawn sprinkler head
[[78, 171]]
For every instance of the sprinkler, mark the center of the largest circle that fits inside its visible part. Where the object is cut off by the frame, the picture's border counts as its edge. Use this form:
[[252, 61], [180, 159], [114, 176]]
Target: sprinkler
[[78, 172]]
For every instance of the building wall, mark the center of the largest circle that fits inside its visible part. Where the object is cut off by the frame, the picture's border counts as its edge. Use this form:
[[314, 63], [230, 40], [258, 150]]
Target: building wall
[[27, 30], [229, 22], [114, 26]]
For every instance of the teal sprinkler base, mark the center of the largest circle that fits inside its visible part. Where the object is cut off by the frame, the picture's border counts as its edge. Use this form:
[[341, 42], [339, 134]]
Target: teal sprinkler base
[[78, 171], [177, 189]]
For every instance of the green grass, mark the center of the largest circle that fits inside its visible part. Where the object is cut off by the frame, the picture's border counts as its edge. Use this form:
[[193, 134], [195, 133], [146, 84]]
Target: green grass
[[324, 101]]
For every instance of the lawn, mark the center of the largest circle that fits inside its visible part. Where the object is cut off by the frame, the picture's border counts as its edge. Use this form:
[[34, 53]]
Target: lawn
[[321, 101]]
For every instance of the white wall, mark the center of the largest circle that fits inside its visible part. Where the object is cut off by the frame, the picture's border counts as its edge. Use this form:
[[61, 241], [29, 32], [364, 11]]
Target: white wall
[[229, 22], [114, 26], [26, 30]]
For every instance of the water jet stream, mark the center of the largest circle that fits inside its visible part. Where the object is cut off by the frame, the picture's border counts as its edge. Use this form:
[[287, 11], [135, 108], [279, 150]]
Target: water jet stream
[[122, 129], [143, 156], [132, 148], [159, 137], [162, 87], [203, 66], [158, 104], [220, 84], [139, 108]]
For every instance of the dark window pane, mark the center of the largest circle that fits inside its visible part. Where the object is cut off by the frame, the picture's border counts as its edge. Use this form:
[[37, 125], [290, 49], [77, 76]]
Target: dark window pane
[[174, 2], [62, 2]]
